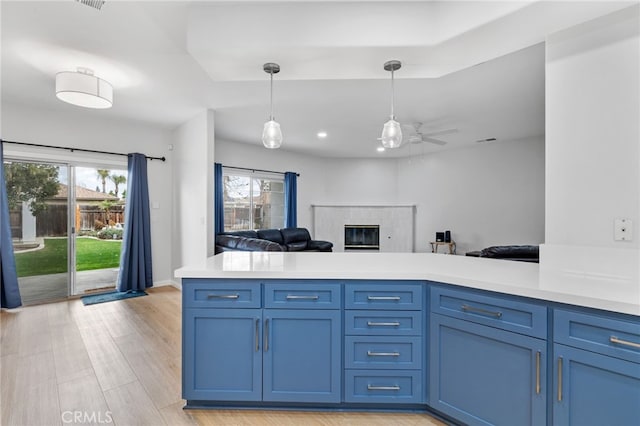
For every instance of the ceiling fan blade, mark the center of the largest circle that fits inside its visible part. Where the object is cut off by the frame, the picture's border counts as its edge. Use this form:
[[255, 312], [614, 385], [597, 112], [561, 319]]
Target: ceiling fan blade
[[441, 132], [434, 141]]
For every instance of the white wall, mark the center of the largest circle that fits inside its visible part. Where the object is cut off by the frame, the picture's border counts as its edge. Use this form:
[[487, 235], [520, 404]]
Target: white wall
[[193, 190], [593, 148], [83, 128], [490, 194], [487, 195], [592, 119]]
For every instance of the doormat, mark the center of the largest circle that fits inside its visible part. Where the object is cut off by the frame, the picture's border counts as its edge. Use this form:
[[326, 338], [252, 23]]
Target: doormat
[[111, 296]]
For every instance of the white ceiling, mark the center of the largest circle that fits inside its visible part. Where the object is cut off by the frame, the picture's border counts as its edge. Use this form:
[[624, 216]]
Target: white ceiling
[[471, 65]]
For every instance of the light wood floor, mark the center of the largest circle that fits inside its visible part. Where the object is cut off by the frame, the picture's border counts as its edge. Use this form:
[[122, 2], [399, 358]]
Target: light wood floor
[[119, 363]]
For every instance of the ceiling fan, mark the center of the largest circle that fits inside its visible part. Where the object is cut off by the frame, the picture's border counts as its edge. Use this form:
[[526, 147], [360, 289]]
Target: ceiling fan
[[415, 136]]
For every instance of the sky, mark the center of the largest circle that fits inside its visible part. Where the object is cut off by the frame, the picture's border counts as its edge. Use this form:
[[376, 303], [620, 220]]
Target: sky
[[87, 177]]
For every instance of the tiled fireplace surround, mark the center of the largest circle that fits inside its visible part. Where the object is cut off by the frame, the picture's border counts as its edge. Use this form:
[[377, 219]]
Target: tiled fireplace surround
[[397, 223]]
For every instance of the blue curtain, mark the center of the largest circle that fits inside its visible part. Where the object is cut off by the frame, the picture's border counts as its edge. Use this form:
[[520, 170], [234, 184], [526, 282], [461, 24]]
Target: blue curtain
[[135, 257], [290, 200], [9, 291], [218, 200]]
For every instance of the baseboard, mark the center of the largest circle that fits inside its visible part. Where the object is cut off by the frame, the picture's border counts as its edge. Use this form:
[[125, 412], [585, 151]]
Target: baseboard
[[165, 283]]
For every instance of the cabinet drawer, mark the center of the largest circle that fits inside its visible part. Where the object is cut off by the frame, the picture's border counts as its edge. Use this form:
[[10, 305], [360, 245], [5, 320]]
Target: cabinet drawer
[[504, 313], [396, 387], [386, 295], [302, 294], [207, 293], [387, 323], [607, 336], [383, 352]]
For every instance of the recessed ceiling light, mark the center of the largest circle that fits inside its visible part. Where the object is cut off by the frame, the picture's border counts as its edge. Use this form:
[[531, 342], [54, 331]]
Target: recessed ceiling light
[[322, 135], [380, 149]]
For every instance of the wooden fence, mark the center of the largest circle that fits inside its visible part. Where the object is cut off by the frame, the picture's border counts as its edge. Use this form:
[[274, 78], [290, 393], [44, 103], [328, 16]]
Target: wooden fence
[[53, 221]]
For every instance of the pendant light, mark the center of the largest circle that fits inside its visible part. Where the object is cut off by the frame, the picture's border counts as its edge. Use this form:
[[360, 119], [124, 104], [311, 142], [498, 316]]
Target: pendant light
[[392, 133], [271, 134]]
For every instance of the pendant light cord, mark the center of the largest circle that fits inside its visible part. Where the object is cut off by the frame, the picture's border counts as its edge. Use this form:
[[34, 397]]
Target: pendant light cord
[[271, 96], [393, 98]]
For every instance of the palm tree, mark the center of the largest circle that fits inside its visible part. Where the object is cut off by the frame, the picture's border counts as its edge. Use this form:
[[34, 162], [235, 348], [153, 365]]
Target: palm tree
[[117, 181], [103, 175]]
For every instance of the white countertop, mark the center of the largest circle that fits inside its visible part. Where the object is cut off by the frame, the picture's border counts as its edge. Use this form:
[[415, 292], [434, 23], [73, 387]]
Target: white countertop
[[515, 278]]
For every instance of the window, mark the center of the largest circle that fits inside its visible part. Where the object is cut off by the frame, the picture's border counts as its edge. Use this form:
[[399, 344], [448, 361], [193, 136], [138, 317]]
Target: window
[[253, 201]]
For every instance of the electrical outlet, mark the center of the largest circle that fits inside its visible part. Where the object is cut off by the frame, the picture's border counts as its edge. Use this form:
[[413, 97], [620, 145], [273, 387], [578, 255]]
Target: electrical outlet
[[622, 229]]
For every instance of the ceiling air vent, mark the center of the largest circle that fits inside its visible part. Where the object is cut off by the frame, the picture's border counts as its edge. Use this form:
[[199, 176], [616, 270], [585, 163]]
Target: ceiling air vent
[[96, 4], [486, 140]]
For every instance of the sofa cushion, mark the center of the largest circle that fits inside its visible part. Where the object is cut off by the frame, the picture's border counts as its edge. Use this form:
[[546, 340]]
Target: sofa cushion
[[295, 235], [317, 245], [234, 242], [296, 239], [511, 252], [271, 235], [247, 233]]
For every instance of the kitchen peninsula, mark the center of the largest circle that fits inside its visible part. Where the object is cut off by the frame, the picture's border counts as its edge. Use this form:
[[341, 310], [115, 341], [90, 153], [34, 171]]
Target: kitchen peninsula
[[478, 341]]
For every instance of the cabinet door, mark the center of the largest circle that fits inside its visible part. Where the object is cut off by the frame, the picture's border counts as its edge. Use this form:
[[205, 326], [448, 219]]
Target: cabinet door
[[485, 376], [222, 358], [594, 389], [302, 355]]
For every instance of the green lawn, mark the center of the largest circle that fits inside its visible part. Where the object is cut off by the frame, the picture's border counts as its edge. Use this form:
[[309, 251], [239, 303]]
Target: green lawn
[[52, 259]]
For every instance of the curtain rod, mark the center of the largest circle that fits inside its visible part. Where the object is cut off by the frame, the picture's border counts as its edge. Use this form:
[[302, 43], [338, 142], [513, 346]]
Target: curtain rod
[[255, 170], [76, 149]]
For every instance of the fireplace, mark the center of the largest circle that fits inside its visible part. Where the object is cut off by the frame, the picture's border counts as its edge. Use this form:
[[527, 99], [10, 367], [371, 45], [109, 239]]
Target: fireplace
[[362, 237]]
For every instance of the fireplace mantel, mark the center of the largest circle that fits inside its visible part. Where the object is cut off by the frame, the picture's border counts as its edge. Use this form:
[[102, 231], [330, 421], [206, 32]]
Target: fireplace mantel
[[396, 221]]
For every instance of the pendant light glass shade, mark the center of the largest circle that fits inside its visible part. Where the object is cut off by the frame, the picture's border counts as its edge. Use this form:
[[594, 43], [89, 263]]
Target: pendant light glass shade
[[391, 132], [271, 134], [84, 89]]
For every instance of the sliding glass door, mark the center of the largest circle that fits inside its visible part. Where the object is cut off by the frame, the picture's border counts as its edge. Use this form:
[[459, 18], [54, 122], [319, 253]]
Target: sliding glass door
[[100, 197], [66, 226], [39, 216]]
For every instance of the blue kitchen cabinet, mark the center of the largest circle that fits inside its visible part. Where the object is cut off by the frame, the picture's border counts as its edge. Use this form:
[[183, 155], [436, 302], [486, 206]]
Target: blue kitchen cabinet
[[487, 358], [302, 355], [596, 368], [222, 357], [486, 376], [236, 350]]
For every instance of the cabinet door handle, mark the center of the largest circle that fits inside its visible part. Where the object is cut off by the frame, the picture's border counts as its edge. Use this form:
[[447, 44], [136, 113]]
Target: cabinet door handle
[[383, 324], [559, 379], [257, 334], [396, 298], [223, 296], [468, 308], [266, 335], [538, 355], [293, 297], [614, 339], [369, 353], [393, 388]]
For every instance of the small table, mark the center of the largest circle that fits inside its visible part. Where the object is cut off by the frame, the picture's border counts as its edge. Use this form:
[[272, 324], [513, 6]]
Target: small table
[[436, 244]]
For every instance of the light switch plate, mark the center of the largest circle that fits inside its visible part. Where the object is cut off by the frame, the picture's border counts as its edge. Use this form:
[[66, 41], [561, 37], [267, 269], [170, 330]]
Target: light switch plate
[[622, 229]]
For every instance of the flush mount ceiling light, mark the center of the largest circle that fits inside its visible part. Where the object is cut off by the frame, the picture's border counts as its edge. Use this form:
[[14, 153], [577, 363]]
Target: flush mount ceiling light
[[392, 133], [271, 134], [84, 89]]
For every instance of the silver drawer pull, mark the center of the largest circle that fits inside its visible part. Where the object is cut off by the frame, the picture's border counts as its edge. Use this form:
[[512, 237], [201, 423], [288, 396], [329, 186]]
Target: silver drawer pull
[[382, 324], [223, 296], [383, 298], [292, 297], [468, 308], [369, 353], [393, 388], [614, 339]]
